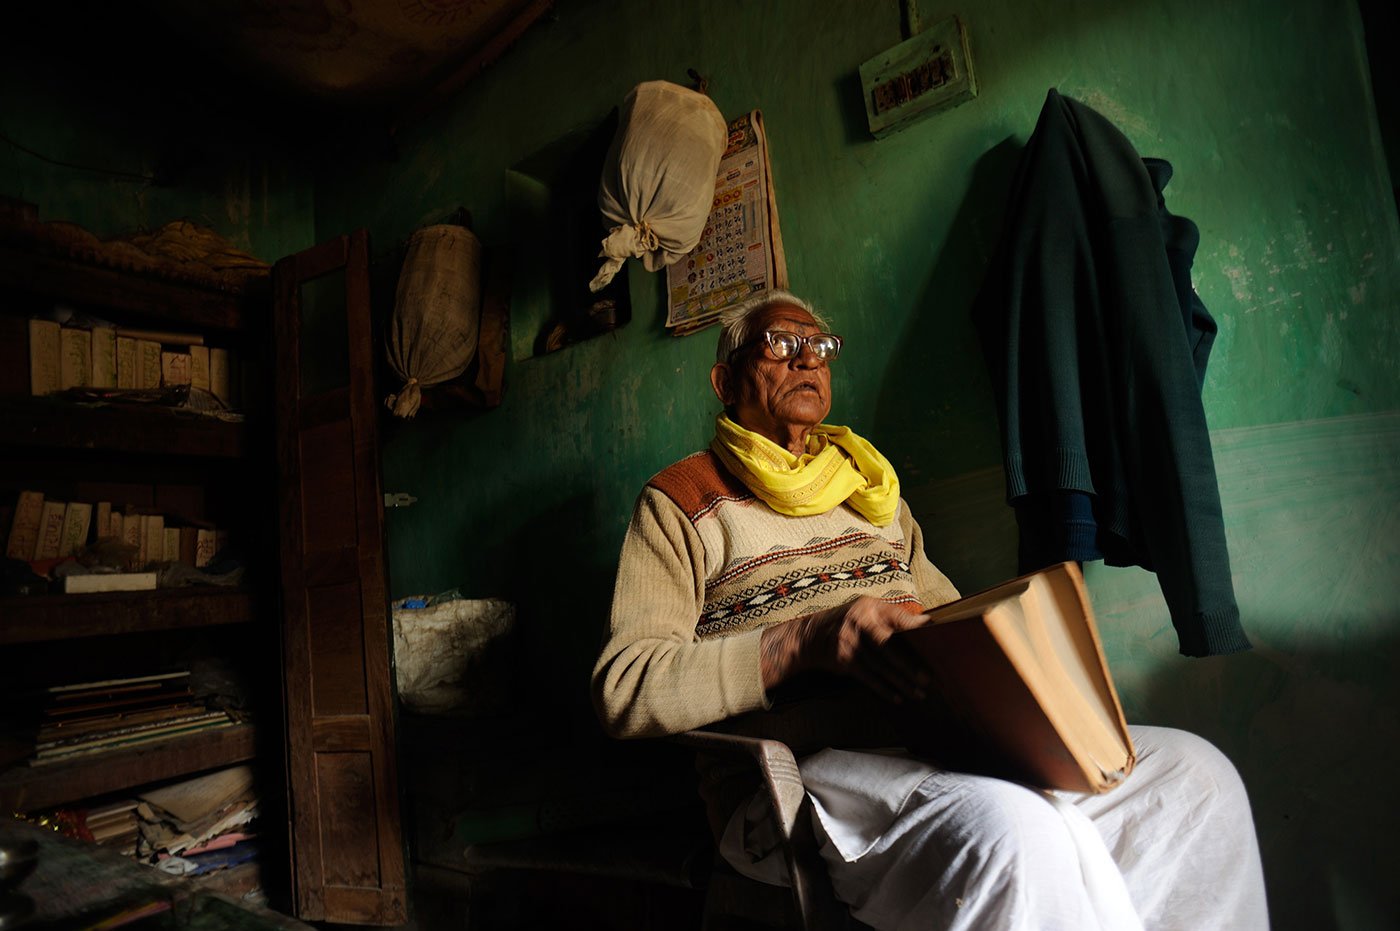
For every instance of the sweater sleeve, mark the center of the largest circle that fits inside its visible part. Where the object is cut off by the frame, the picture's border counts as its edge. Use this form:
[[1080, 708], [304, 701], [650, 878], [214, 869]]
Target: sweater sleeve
[[931, 585], [654, 676]]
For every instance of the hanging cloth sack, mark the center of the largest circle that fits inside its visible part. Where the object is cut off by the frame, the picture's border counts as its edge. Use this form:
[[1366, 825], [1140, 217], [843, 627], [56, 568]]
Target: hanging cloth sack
[[437, 311], [659, 178]]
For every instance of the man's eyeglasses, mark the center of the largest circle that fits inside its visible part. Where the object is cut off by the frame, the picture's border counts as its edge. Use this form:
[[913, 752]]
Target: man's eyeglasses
[[785, 345]]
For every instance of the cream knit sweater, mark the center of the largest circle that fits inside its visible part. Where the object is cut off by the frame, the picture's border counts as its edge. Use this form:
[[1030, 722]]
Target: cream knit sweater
[[705, 566]]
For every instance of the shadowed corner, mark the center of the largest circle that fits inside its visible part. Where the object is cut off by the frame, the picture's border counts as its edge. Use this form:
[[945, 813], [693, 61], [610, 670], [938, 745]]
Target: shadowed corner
[[1310, 730]]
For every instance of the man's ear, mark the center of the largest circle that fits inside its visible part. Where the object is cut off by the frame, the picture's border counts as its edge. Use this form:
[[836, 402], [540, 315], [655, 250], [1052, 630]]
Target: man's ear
[[720, 375]]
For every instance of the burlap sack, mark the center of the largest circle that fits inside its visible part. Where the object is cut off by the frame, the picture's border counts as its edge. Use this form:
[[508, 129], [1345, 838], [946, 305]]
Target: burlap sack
[[659, 178], [437, 311]]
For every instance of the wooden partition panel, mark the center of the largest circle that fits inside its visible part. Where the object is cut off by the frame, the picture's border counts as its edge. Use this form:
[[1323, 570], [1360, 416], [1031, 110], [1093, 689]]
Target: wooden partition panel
[[346, 839]]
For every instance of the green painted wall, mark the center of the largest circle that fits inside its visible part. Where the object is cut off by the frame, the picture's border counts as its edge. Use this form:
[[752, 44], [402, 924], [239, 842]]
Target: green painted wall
[[218, 175], [1264, 110]]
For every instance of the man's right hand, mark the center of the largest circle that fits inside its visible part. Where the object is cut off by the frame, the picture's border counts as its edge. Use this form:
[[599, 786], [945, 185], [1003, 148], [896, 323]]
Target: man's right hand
[[850, 640]]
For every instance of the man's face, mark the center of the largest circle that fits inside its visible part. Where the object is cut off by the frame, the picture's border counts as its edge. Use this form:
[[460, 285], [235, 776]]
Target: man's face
[[770, 396]]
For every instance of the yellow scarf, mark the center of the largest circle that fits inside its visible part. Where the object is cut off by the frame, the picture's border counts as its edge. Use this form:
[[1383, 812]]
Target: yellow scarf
[[838, 466]]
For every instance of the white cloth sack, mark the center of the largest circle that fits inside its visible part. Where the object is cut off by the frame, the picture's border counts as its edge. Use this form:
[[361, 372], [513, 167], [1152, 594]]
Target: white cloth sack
[[437, 312], [441, 655], [658, 182]]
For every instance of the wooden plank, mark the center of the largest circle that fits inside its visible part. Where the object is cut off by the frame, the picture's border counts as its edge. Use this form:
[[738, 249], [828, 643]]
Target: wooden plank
[[27, 788], [39, 618], [189, 306], [56, 424]]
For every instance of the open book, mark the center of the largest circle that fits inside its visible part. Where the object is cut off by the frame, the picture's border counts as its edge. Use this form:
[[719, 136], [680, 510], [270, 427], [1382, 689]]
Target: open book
[[1020, 687]]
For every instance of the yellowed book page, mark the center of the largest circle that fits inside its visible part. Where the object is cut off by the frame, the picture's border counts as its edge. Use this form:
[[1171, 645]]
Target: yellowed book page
[[148, 364], [199, 367], [24, 529], [75, 358], [50, 530], [104, 357], [45, 369], [128, 369], [1047, 640]]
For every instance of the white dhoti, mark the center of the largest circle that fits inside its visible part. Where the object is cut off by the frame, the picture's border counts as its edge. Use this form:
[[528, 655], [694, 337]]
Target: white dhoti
[[910, 846]]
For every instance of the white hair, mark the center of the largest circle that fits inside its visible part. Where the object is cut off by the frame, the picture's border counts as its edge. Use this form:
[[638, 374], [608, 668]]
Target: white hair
[[736, 323]]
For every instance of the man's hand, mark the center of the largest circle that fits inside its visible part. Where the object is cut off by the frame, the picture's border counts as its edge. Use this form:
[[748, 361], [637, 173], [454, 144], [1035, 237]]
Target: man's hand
[[848, 640]]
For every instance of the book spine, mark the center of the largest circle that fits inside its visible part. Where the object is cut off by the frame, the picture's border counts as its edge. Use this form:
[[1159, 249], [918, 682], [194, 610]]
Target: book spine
[[171, 550], [148, 364], [45, 355], [102, 520], [199, 367], [174, 368], [77, 518], [24, 530], [75, 362], [50, 530], [128, 369], [131, 536], [204, 548], [219, 375], [104, 357]]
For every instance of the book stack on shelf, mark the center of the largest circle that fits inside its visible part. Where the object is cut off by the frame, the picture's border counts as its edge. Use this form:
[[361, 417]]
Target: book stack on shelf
[[119, 714], [105, 356], [43, 530]]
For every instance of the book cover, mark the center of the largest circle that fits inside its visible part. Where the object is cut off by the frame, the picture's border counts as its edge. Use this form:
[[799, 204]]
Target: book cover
[[104, 357], [45, 367], [109, 582], [147, 364], [77, 519], [128, 369], [24, 528], [199, 367], [174, 368], [75, 358], [50, 530], [1020, 687]]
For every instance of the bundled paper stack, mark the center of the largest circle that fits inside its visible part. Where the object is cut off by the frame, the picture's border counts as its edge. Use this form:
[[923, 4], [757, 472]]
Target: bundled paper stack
[[119, 714], [114, 825], [199, 825]]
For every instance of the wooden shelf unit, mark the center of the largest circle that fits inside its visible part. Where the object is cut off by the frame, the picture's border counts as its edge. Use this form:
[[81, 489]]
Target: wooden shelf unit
[[27, 788], [56, 441], [57, 424], [41, 618]]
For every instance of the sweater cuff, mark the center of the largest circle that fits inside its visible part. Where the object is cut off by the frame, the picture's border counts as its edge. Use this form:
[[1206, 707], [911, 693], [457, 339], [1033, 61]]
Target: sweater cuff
[[1214, 633], [741, 673]]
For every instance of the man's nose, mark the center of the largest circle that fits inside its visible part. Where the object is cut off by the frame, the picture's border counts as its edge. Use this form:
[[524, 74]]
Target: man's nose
[[806, 358]]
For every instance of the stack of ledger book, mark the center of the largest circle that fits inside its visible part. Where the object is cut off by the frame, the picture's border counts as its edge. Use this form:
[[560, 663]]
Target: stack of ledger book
[[119, 714], [1019, 687]]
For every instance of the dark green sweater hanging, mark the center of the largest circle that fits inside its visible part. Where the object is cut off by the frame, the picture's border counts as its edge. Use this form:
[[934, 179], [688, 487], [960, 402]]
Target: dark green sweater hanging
[[1098, 346]]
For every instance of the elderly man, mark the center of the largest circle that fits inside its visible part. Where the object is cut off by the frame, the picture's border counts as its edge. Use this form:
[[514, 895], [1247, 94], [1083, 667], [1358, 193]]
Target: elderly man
[[757, 584]]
